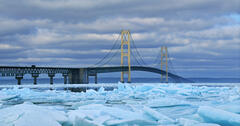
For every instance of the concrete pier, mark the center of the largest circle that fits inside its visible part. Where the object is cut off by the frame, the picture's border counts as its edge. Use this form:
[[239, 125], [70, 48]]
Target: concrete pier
[[19, 77], [35, 76], [78, 76], [51, 75], [65, 78], [96, 79]]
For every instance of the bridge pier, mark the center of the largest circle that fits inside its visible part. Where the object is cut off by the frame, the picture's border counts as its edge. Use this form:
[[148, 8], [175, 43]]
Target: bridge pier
[[122, 81], [35, 76], [51, 75], [96, 78], [65, 78], [122, 76], [19, 77], [78, 76]]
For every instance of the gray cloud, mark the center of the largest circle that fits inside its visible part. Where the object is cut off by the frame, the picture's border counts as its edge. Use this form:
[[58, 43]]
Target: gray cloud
[[201, 35]]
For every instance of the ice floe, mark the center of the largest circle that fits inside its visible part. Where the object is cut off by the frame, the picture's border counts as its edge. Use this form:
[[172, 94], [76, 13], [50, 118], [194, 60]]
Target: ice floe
[[128, 104], [97, 114], [213, 115], [28, 114], [167, 102]]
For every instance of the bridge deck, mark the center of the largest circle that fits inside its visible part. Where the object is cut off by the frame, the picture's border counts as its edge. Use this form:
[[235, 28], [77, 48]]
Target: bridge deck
[[78, 75]]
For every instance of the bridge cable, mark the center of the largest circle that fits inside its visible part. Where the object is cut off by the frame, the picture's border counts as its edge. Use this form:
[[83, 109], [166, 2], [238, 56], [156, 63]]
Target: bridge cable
[[157, 63], [171, 64], [138, 54], [172, 67], [157, 60], [135, 58], [115, 43], [135, 47], [116, 52]]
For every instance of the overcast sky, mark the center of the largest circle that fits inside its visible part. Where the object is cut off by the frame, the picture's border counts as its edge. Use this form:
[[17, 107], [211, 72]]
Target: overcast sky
[[203, 36]]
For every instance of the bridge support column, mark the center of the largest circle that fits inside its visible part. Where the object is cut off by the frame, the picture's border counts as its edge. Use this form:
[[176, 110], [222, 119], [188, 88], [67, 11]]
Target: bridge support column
[[65, 78], [19, 77], [51, 75], [87, 79], [125, 40], [96, 79], [164, 62], [78, 76], [35, 76]]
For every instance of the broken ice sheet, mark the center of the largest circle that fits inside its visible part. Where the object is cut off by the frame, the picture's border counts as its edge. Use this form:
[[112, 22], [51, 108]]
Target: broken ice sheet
[[155, 104]]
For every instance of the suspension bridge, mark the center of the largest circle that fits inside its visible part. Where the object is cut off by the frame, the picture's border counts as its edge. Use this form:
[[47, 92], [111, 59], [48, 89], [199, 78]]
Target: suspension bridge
[[162, 65]]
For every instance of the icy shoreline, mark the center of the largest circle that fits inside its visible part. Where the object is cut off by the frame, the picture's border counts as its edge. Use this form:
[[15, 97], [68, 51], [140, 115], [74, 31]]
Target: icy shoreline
[[128, 104]]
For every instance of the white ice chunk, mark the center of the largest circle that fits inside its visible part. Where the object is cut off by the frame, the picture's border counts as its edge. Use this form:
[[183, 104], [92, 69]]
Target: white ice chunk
[[84, 118], [130, 122], [4, 97], [221, 117], [143, 88], [102, 119], [186, 122], [101, 90], [113, 111], [31, 115], [189, 122], [83, 122], [231, 107], [162, 119], [97, 114], [205, 124], [166, 102]]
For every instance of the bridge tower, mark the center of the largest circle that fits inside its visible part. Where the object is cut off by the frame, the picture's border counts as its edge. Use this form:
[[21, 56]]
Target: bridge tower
[[164, 62], [125, 40]]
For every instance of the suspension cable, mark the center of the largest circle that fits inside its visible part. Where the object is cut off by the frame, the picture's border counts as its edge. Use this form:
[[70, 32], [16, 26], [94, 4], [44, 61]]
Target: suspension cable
[[110, 59], [156, 61], [115, 43], [171, 64], [135, 58], [135, 47]]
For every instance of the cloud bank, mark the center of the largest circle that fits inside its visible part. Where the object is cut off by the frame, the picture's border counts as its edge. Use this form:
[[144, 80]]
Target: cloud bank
[[203, 37]]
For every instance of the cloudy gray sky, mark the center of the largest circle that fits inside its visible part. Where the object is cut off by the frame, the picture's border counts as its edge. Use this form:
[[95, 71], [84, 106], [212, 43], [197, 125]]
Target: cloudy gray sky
[[203, 36]]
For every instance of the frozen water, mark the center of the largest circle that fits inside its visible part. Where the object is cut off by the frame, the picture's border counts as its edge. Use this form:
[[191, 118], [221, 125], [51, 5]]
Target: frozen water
[[210, 114], [128, 104], [188, 122], [231, 107], [166, 102], [160, 118], [96, 111], [27, 114], [7, 97]]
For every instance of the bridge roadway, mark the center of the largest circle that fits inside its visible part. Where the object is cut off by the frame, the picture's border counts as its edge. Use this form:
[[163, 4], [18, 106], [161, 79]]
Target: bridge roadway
[[136, 68], [76, 75]]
